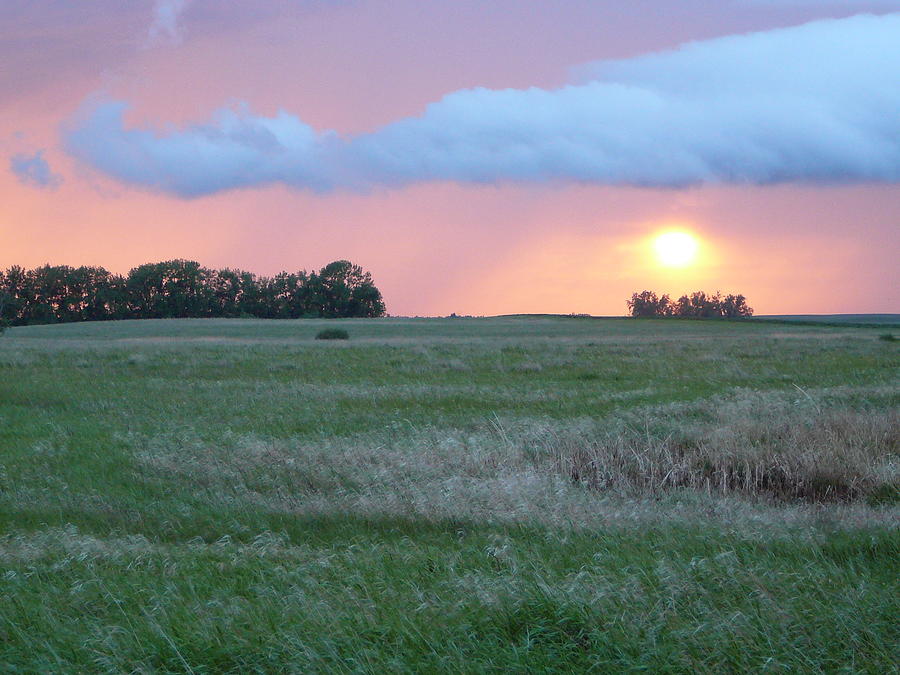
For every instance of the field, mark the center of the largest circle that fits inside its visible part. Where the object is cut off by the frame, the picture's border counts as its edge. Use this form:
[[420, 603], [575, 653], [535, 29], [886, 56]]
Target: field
[[449, 495]]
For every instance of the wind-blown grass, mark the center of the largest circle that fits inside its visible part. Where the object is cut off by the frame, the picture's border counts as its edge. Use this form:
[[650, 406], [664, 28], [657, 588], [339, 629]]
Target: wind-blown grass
[[759, 445], [542, 495]]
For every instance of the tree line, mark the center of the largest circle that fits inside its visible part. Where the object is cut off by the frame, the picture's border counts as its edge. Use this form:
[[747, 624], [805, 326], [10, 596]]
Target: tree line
[[695, 305], [183, 289]]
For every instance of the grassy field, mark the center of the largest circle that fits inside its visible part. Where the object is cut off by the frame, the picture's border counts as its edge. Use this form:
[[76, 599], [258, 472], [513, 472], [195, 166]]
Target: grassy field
[[462, 495]]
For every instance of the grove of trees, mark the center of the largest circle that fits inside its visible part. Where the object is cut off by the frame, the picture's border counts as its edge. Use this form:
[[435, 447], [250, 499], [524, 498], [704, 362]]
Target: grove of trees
[[183, 288], [695, 305]]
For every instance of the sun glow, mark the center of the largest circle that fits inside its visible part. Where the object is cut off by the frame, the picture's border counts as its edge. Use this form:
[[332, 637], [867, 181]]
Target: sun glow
[[676, 248]]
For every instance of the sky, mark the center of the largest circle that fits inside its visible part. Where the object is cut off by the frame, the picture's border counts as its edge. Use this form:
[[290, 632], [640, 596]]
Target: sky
[[477, 156]]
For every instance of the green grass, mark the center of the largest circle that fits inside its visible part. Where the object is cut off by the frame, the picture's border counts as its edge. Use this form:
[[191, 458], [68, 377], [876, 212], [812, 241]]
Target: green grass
[[863, 320], [539, 494]]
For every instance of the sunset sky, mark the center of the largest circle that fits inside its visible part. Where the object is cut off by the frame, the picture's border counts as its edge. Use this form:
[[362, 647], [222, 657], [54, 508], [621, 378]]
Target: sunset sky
[[477, 156]]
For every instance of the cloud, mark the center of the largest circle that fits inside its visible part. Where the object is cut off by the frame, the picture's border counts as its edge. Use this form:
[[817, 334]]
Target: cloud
[[848, 4], [235, 149], [35, 171], [165, 27], [818, 103]]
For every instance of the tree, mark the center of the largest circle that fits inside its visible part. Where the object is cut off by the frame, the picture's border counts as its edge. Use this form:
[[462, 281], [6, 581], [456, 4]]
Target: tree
[[3, 321], [17, 295], [183, 288], [93, 294], [252, 298], [734, 306], [170, 289], [342, 289], [226, 289], [696, 305], [3, 300], [289, 295], [646, 303]]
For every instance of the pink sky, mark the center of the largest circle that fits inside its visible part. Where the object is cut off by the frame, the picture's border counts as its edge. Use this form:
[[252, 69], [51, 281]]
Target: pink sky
[[435, 246]]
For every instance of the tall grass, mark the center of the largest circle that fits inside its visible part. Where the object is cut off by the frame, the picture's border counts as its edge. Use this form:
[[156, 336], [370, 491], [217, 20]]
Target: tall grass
[[503, 495], [772, 451]]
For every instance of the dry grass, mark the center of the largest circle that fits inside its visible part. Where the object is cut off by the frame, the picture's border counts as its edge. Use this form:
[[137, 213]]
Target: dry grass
[[716, 459], [753, 446]]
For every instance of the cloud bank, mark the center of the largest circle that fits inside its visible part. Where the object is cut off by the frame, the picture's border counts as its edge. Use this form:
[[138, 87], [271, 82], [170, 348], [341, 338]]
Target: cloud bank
[[34, 170], [817, 103]]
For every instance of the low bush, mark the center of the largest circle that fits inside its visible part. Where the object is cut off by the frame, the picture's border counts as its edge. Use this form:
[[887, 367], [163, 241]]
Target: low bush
[[332, 334], [887, 337]]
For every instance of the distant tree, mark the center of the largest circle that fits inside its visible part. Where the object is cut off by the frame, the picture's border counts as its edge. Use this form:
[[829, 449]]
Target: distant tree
[[4, 322], [3, 300], [252, 300], [54, 297], [145, 287], [92, 294], [17, 293], [184, 288], [696, 305], [170, 289], [226, 290], [290, 295], [735, 306], [646, 303], [342, 289]]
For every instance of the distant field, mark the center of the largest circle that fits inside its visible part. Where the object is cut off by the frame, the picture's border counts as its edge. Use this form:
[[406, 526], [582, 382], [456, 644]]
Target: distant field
[[518, 494], [884, 319]]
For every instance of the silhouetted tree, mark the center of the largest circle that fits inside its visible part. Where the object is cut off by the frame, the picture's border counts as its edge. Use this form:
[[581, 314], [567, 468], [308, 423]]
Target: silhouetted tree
[[290, 295], [4, 322], [342, 289], [226, 291], [252, 299], [170, 289], [734, 306], [17, 292], [646, 303], [696, 305], [183, 288]]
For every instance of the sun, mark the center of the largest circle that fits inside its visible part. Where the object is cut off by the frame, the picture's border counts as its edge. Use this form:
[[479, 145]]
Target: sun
[[676, 248]]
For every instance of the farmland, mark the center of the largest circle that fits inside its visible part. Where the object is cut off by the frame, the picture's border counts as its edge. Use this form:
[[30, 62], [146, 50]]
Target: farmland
[[462, 495]]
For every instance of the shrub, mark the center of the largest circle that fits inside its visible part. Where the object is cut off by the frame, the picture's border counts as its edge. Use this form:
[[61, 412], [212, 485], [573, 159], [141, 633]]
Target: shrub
[[887, 337], [332, 334]]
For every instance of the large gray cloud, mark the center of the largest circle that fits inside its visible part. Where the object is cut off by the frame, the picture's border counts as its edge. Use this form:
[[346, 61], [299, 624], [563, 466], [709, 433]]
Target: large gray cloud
[[816, 103]]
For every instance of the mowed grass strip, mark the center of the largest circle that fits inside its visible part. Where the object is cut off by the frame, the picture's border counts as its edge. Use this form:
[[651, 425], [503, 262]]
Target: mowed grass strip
[[449, 495]]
